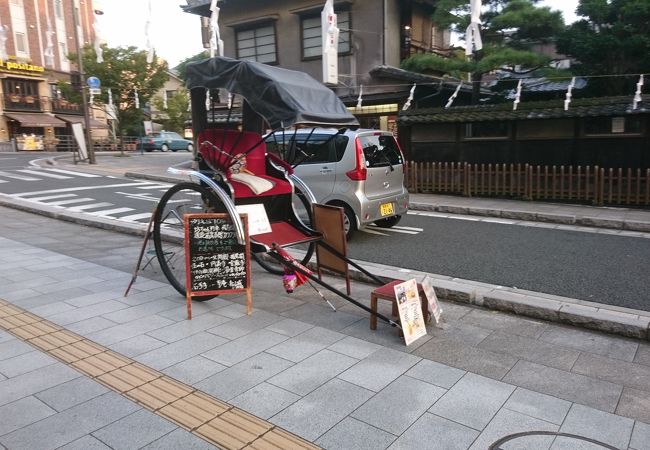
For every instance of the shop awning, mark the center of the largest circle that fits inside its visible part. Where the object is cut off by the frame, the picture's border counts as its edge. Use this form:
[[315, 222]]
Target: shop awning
[[35, 120], [80, 119]]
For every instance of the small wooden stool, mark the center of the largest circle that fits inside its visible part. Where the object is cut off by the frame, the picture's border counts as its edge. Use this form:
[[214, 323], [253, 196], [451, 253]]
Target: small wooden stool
[[387, 292]]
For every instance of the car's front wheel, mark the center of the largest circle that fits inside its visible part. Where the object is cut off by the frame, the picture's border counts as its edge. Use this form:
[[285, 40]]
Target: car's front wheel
[[388, 222], [164, 148]]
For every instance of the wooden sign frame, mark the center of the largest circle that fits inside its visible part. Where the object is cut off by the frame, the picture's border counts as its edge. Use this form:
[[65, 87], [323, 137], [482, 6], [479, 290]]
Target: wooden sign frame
[[189, 253], [328, 220]]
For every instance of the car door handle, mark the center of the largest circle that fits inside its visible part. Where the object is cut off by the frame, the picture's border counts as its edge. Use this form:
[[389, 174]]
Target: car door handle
[[326, 170]]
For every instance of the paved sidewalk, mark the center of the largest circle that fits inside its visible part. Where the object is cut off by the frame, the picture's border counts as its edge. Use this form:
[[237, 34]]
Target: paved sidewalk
[[323, 375]]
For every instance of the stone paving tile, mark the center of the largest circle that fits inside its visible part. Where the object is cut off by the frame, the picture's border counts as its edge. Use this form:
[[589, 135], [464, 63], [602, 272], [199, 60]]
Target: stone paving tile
[[531, 350], [133, 431], [461, 332], [238, 350], [473, 401], [350, 434], [151, 295], [643, 354], [568, 386], [75, 282], [128, 330], [241, 377], [384, 336], [435, 433], [634, 404], [137, 345], [53, 308], [69, 425], [12, 348], [265, 400], [316, 413], [178, 351], [312, 372], [456, 354], [545, 407], [289, 327], [508, 323], [185, 328], [92, 299], [22, 413], [24, 363], [85, 443], [614, 371], [132, 313], [322, 316], [599, 425], [244, 325], [379, 369], [35, 381], [398, 405], [640, 436], [356, 348], [507, 422], [434, 373], [179, 439], [89, 326], [86, 312], [194, 369], [71, 393], [591, 341], [45, 299], [299, 347]]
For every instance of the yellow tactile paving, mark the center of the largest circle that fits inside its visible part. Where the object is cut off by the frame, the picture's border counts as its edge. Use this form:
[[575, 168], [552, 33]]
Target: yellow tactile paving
[[215, 421]]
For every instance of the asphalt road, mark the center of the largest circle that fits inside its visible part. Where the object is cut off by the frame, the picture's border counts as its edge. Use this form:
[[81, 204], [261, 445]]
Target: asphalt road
[[602, 268]]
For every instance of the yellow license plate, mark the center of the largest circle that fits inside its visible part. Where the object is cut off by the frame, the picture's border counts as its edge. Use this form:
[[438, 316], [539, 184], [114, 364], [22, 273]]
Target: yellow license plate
[[386, 209]]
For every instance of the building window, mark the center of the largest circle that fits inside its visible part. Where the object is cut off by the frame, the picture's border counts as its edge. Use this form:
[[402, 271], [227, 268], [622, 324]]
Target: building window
[[312, 46], [257, 44], [489, 130], [58, 9], [21, 47], [170, 94]]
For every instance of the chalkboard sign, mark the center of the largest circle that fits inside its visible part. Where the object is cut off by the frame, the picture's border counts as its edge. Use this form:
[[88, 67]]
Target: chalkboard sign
[[215, 262]]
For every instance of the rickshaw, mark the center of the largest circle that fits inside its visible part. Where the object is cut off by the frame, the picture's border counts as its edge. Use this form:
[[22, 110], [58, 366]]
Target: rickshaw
[[232, 167]]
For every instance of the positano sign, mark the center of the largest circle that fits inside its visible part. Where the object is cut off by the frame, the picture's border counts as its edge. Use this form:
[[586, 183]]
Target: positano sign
[[24, 68]]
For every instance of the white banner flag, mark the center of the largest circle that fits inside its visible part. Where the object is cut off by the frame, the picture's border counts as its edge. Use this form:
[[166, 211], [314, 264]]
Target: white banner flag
[[330, 37], [473, 41]]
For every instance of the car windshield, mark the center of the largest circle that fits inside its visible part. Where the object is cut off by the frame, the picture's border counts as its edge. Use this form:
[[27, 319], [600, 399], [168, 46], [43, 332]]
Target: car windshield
[[380, 150]]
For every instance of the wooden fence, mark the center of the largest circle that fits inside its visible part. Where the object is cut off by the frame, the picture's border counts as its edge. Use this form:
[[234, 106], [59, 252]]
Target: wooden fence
[[584, 184]]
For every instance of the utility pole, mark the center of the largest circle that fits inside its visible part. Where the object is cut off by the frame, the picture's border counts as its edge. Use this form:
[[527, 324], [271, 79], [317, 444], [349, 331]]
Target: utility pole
[[80, 68]]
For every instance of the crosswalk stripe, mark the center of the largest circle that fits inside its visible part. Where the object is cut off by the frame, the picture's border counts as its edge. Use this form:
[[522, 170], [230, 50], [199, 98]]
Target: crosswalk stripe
[[89, 206], [84, 188], [109, 212], [77, 174], [134, 217], [41, 173], [51, 197], [4, 181], [69, 202], [158, 186], [18, 177]]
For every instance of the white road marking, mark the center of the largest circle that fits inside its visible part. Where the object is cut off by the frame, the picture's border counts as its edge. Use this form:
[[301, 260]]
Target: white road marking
[[110, 212], [42, 173], [69, 202], [158, 186], [4, 181], [394, 230], [75, 189], [77, 174], [89, 206], [51, 197], [18, 177], [134, 217], [366, 230]]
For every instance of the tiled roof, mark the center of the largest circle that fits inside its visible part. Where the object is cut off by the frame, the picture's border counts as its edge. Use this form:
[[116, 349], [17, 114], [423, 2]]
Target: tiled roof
[[553, 109]]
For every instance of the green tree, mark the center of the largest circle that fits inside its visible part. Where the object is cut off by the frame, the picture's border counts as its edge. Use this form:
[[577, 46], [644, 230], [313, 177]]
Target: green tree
[[125, 70], [181, 68], [613, 38], [176, 112], [509, 30]]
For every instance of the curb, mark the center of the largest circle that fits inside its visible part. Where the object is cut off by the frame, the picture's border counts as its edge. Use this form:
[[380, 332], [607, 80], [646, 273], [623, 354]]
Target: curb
[[616, 320]]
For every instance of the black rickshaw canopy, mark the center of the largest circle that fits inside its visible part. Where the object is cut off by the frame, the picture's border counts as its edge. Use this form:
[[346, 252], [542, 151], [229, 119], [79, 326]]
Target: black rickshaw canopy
[[284, 98]]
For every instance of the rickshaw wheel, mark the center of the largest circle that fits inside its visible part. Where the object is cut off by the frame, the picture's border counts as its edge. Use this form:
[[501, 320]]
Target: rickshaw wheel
[[302, 210], [169, 232]]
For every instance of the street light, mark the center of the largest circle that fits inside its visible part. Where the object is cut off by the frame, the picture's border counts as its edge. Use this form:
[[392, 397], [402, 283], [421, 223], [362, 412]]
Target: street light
[[80, 68]]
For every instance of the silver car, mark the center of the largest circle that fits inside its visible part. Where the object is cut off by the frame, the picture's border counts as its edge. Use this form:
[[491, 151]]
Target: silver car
[[361, 171]]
